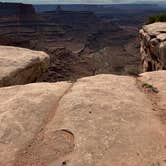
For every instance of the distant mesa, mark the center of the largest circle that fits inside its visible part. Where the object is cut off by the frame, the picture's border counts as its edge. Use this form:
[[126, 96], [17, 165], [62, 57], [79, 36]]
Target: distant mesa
[[17, 12], [59, 9]]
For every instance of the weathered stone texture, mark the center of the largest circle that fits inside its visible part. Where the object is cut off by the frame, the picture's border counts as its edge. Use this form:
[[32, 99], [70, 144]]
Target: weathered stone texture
[[153, 46]]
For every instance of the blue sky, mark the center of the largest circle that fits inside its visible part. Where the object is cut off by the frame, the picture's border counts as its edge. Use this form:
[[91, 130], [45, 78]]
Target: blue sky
[[78, 1]]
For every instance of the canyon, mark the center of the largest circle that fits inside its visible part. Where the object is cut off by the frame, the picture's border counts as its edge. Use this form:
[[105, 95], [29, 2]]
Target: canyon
[[100, 119], [80, 43], [84, 42]]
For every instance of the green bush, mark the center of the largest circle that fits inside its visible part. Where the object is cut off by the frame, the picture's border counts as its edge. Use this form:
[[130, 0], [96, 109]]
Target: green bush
[[157, 18]]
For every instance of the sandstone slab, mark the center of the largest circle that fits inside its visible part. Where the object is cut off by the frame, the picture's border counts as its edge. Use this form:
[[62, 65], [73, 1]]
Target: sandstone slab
[[20, 66], [102, 120]]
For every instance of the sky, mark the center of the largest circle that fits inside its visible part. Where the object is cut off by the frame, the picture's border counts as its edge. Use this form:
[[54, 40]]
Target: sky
[[79, 1]]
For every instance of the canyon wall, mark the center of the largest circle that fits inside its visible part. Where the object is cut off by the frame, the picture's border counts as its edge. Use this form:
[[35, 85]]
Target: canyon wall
[[153, 46], [17, 24]]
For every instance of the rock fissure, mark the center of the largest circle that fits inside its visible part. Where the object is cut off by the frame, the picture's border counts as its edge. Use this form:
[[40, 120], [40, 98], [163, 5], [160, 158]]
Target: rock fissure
[[52, 113], [31, 155]]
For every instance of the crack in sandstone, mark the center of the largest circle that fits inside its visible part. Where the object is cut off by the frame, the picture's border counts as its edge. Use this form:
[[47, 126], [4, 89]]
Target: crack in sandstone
[[30, 155], [52, 113]]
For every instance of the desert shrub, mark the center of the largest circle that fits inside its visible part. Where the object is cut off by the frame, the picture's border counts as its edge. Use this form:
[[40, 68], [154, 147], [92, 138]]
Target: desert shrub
[[157, 18], [150, 87]]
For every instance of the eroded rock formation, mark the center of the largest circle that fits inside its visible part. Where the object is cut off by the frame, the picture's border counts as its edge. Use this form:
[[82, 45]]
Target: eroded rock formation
[[153, 46], [21, 66]]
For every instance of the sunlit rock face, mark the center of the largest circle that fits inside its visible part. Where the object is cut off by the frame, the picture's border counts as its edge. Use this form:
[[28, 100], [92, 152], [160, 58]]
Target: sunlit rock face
[[153, 46]]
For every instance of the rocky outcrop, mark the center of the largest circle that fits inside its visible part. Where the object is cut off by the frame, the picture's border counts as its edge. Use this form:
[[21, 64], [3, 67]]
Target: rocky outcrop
[[26, 12], [21, 66], [102, 120], [153, 46]]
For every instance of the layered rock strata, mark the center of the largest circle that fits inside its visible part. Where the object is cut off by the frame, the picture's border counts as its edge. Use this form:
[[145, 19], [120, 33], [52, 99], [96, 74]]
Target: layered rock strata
[[153, 46]]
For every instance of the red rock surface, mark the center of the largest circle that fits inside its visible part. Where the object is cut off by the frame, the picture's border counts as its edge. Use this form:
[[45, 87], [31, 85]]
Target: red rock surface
[[102, 120]]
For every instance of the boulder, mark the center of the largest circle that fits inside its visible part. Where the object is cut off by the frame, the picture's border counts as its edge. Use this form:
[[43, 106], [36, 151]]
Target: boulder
[[21, 66], [103, 120], [153, 46]]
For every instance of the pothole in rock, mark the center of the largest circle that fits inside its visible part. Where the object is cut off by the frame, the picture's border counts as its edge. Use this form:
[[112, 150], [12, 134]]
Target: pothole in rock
[[49, 149]]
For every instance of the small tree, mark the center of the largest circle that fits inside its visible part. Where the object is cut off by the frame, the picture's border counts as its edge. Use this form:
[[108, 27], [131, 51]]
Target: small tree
[[157, 18]]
